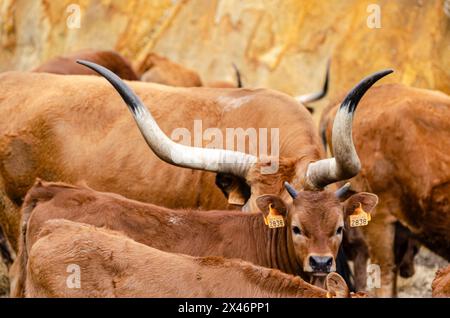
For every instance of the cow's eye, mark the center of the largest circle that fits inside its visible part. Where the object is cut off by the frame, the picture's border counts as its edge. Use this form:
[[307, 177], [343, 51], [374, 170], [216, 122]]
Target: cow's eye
[[339, 230], [296, 230]]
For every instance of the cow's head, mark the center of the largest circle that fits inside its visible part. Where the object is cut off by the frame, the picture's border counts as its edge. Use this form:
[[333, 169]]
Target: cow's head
[[315, 223], [315, 211]]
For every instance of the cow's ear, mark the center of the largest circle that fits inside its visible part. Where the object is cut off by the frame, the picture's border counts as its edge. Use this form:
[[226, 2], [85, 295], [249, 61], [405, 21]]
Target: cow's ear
[[336, 286], [235, 189], [267, 202], [367, 201]]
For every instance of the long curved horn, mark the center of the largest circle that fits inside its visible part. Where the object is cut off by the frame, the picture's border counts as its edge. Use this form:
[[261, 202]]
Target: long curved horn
[[345, 163], [312, 97], [216, 160]]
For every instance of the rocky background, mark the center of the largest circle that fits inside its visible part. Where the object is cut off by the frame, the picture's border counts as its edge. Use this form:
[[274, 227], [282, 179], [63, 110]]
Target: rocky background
[[282, 45]]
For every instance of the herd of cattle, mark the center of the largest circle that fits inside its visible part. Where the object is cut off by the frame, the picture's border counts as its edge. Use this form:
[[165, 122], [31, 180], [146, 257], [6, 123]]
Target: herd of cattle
[[149, 217]]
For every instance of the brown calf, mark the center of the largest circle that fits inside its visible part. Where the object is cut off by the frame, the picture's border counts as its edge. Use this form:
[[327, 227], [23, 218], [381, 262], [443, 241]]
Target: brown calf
[[113, 265], [307, 245]]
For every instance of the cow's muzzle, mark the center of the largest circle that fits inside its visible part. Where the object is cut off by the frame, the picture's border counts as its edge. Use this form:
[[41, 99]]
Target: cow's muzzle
[[320, 264]]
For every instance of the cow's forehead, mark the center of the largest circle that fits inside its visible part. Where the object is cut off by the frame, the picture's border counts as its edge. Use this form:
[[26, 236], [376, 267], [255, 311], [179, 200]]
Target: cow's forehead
[[317, 199], [316, 206]]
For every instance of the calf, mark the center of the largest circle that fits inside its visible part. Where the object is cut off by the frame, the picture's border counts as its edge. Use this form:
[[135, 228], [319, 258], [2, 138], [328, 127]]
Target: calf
[[306, 245], [441, 283], [67, 64], [113, 265]]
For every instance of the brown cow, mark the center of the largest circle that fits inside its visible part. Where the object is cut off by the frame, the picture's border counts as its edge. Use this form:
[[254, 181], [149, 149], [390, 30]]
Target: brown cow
[[231, 234], [402, 135], [158, 69], [66, 64], [441, 283], [35, 142], [102, 256]]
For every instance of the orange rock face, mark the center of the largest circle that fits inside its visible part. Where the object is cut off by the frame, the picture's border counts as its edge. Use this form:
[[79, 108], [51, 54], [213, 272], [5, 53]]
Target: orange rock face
[[278, 44]]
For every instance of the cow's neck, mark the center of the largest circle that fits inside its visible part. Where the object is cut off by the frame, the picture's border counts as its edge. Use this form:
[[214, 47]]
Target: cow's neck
[[232, 234], [280, 253]]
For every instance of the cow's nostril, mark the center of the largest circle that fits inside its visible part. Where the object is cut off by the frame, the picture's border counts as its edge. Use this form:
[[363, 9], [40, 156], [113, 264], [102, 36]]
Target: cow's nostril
[[321, 263], [313, 262]]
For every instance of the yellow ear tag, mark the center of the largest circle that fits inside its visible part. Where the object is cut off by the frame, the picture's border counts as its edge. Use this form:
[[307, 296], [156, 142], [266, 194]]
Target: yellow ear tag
[[273, 219], [359, 217]]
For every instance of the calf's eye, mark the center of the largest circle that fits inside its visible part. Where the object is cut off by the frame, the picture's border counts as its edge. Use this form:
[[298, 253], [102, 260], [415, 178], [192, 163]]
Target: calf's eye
[[339, 230], [296, 230]]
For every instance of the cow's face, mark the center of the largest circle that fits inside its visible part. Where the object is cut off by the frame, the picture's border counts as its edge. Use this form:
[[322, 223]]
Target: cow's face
[[244, 192], [315, 222]]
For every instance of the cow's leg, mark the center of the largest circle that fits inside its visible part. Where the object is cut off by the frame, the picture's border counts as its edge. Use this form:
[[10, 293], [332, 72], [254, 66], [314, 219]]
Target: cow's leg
[[357, 250], [9, 219], [6, 253], [380, 235], [9, 227], [360, 270]]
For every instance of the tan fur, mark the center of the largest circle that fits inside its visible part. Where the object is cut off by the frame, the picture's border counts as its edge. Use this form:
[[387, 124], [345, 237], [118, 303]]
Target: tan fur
[[221, 84], [231, 234], [441, 283], [112, 265], [402, 136], [67, 64]]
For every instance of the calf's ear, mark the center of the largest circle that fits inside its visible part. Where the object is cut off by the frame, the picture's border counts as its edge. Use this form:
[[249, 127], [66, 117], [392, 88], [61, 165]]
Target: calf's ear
[[264, 202], [367, 200], [336, 286]]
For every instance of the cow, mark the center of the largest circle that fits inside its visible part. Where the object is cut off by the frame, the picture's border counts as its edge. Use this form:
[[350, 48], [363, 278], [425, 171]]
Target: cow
[[158, 69], [402, 135], [441, 283], [44, 139], [66, 65], [66, 133], [230, 234], [112, 265]]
